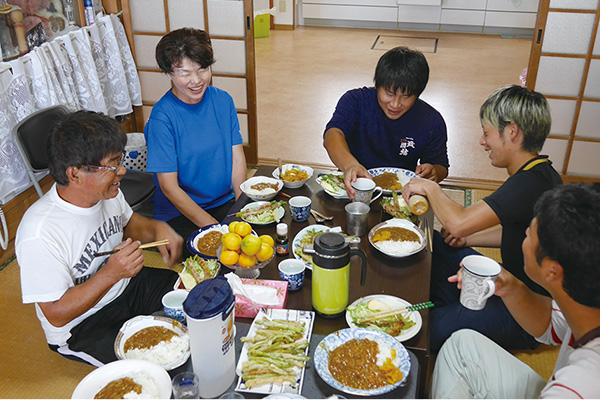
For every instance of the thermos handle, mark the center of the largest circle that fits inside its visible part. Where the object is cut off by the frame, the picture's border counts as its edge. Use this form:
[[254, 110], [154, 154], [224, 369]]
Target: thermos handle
[[225, 313], [354, 251]]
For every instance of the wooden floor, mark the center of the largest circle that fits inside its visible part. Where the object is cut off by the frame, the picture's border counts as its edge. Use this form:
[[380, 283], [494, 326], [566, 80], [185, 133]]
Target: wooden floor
[[301, 75]]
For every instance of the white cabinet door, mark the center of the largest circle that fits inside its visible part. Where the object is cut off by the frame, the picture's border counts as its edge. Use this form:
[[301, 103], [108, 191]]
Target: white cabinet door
[[510, 19], [382, 3], [464, 4], [420, 2], [354, 13], [463, 17], [419, 15], [509, 5]]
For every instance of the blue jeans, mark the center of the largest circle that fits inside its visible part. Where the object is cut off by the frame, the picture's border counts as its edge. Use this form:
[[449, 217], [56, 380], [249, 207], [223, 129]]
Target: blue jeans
[[449, 316]]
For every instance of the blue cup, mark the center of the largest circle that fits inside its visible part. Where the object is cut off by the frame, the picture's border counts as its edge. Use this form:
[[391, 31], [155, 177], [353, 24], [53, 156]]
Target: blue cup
[[173, 304], [300, 208], [292, 271]]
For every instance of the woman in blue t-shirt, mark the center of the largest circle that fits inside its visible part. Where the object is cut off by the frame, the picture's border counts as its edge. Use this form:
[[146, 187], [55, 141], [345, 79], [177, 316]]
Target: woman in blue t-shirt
[[193, 135]]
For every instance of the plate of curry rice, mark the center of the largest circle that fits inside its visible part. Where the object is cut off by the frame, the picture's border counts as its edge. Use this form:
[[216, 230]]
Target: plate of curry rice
[[362, 362], [391, 179], [402, 327], [206, 241], [397, 238]]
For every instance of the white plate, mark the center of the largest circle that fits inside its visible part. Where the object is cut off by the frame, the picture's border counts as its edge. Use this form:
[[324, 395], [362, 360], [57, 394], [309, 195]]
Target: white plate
[[140, 322], [192, 240], [308, 317], [402, 223], [336, 339], [404, 175], [300, 235], [393, 303], [281, 211], [98, 378], [340, 195]]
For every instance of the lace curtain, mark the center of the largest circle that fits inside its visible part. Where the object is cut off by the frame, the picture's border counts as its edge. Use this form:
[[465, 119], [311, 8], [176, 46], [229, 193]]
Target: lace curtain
[[91, 68]]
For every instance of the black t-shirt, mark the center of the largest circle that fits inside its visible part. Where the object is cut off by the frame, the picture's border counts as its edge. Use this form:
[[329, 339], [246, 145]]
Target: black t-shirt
[[513, 204]]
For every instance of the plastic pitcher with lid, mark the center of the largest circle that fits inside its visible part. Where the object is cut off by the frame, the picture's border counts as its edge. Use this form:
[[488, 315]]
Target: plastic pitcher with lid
[[209, 314]]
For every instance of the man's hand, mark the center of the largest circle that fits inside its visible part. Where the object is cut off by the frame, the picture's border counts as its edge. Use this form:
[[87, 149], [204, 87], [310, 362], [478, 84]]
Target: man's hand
[[453, 241], [171, 252], [434, 173], [417, 186], [126, 263], [350, 174]]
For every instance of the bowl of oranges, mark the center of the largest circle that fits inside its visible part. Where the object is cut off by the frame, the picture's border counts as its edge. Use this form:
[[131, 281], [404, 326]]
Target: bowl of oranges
[[244, 251]]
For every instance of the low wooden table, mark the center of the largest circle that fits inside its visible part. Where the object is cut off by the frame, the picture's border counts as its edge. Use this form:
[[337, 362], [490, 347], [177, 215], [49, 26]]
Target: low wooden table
[[407, 278]]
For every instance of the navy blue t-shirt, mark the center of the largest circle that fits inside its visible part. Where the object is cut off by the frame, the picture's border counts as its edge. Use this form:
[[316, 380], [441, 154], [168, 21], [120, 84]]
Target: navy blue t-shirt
[[417, 137]]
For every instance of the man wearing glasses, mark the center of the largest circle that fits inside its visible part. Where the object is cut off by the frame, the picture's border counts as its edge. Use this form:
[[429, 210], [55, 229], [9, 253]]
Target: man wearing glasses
[[81, 299]]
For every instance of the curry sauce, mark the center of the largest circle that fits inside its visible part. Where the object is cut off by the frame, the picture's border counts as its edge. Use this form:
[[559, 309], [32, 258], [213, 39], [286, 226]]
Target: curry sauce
[[264, 185], [209, 243], [396, 234], [354, 364], [118, 389], [148, 337], [388, 181]]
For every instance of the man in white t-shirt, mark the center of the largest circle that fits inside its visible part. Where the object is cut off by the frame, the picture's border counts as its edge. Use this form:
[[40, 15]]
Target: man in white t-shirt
[[82, 300], [562, 254]]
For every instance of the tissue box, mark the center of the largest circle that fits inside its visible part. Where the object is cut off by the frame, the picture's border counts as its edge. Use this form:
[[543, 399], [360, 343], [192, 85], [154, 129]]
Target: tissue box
[[244, 309]]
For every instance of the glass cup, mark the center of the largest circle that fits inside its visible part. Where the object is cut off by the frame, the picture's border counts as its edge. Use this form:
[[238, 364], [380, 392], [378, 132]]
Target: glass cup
[[357, 214], [186, 386], [231, 395]]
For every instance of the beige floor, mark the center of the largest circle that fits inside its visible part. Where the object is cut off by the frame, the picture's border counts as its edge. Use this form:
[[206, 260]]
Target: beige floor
[[302, 73]]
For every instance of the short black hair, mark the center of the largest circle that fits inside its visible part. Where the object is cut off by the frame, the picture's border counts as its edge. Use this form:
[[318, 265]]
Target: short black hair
[[568, 218], [184, 43], [402, 68], [83, 138]]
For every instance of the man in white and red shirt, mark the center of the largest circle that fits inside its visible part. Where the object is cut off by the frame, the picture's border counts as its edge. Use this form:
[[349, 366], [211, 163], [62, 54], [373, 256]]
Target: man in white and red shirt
[[562, 254]]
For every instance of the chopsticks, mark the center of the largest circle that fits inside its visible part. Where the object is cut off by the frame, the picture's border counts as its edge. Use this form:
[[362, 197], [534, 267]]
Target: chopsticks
[[143, 246], [391, 313]]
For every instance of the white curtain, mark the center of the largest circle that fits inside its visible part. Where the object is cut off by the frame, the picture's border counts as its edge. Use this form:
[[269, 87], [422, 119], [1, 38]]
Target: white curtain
[[91, 68]]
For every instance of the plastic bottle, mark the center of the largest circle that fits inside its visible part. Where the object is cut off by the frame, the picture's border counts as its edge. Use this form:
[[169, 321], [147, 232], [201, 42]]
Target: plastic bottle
[[89, 11], [418, 204], [282, 243]]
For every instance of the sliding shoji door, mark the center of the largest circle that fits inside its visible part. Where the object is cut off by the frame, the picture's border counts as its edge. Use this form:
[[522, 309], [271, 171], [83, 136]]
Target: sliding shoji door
[[565, 67], [230, 25]]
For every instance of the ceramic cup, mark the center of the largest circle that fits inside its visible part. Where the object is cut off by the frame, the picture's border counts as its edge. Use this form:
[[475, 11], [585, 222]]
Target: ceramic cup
[[186, 385], [300, 208], [357, 214], [478, 282], [292, 271], [364, 190], [173, 304]]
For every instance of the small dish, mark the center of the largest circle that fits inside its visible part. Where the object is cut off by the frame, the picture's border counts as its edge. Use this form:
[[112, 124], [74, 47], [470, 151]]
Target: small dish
[[264, 195], [294, 184], [336, 194]]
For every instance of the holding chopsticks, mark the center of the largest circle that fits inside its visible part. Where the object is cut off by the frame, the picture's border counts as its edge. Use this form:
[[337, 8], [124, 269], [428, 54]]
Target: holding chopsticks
[[143, 246]]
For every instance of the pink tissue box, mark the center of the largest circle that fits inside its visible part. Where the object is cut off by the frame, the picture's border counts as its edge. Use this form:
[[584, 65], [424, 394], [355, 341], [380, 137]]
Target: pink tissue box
[[244, 309]]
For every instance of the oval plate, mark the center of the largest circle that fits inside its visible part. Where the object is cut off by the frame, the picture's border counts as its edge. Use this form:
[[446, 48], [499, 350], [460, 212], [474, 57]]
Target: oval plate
[[140, 322], [100, 377], [341, 195], [336, 339], [192, 240], [298, 238], [402, 223], [404, 175], [255, 204], [393, 302]]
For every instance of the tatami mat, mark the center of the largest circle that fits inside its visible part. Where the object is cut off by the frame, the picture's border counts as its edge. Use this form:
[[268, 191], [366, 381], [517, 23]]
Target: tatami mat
[[424, 45]]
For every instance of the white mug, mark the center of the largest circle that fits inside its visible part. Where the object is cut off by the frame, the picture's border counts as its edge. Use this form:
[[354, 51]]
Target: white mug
[[364, 189], [478, 281]]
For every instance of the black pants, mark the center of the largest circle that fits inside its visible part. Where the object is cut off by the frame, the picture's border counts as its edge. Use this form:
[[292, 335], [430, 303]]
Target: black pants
[[96, 335], [185, 227]]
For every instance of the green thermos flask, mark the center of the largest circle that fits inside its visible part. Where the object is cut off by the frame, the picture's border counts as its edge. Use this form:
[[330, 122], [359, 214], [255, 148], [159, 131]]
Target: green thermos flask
[[331, 254]]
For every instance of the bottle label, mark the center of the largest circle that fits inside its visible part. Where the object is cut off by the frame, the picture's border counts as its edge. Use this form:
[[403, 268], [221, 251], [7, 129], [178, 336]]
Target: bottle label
[[282, 249]]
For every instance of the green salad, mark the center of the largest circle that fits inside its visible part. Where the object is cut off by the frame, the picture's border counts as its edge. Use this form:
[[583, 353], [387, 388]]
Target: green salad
[[264, 214], [393, 325], [333, 183]]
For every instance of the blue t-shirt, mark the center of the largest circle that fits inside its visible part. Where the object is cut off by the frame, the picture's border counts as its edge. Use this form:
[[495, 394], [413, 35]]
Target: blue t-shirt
[[417, 137], [194, 140]]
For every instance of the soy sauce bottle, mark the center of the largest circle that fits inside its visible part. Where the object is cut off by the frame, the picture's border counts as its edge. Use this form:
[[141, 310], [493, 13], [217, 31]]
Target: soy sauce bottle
[[282, 243]]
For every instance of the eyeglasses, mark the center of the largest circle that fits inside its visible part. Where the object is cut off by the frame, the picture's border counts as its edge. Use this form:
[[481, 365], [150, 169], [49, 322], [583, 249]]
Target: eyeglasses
[[113, 169]]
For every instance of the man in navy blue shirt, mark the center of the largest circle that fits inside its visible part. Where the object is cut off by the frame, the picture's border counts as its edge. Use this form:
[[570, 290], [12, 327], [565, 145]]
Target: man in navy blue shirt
[[388, 125]]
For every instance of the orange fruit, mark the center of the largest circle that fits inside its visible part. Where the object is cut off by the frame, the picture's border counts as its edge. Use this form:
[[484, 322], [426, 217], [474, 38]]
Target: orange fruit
[[243, 228], [231, 241], [267, 239], [229, 257], [231, 226], [246, 261], [251, 245], [265, 252]]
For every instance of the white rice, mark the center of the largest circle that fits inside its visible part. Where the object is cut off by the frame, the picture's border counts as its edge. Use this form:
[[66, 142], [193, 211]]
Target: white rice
[[164, 353], [397, 248], [149, 386], [264, 191], [385, 352]]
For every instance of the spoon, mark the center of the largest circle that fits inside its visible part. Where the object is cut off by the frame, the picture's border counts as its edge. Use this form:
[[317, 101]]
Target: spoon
[[324, 217], [318, 219]]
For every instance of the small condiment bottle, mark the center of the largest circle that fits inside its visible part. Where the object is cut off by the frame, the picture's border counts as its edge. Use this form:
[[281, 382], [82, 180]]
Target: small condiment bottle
[[281, 243], [418, 204]]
